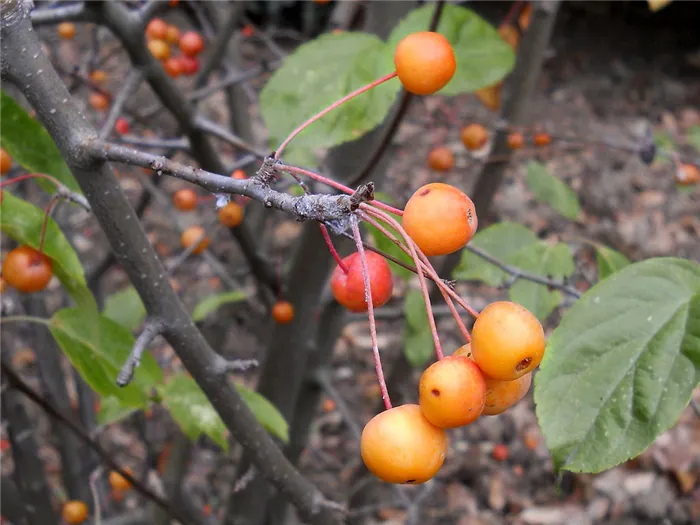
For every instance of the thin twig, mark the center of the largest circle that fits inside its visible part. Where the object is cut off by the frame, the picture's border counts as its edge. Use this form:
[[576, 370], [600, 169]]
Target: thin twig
[[207, 126], [152, 330], [131, 84]]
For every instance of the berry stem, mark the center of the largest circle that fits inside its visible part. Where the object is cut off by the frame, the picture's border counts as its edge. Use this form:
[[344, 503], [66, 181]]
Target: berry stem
[[337, 186], [329, 109], [47, 214], [31, 176], [370, 311], [332, 249]]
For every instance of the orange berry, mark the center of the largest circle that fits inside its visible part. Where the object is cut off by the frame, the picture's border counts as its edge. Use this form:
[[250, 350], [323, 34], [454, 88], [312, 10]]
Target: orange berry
[[542, 139], [425, 62], [185, 200], [500, 452], [5, 162], [27, 270], [98, 101], [328, 405], [349, 288], [173, 67], [490, 96], [121, 126], [239, 174], [400, 446], [283, 312], [159, 49], [119, 482], [66, 30], [191, 44], [474, 136], [231, 215], [501, 395], [74, 512], [98, 76], [172, 35], [507, 341], [452, 392], [510, 35], [524, 17], [440, 219], [515, 140], [441, 159], [687, 175], [157, 29], [190, 236]]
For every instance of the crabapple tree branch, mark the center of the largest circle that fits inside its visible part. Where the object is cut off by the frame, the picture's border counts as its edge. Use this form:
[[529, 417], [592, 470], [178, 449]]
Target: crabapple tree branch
[[74, 138], [150, 332], [66, 13]]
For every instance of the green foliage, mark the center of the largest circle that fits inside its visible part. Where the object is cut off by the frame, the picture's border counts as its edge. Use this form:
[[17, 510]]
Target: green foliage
[[483, 58], [112, 410], [326, 69], [664, 142], [210, 304], [265, 412], [31, 145], [125, 307], [622, 365], [694, 137], [515, 245], [609, 261], [549, 189], [23, 221], [417, 339], [383, 243], [98, 353]]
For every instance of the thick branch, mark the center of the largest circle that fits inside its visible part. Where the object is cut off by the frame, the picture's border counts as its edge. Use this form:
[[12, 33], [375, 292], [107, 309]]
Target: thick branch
[[66, 13]]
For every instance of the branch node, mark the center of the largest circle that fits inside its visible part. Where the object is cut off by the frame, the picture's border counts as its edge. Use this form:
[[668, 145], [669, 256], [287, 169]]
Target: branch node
[[150, 332], [320, 502], [363, 193]]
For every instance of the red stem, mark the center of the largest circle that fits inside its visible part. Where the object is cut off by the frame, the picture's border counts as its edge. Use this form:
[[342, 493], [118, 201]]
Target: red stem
[[370, 312], [53, 200], [30, 176], [513, 10], [332, 249], [329, 109]]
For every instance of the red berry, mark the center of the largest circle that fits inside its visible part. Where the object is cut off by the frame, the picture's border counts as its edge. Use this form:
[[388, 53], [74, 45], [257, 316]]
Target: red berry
[[191, 44], [173, 67], [283, 312], [121, 126], [349, 289], [500, 452], [157, 29], [27, 270], [185, 200], [190, 65]]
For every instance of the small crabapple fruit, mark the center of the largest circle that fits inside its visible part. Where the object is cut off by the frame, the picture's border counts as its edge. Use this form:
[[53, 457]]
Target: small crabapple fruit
[[240, 175], [441, 159], [452, 392], [515, 140], [119, 482], [400, 446], [474, 137], [248, 31], [5, 161], [349, 288], [191, 44], [524, 17], [98, 76], [507, 341], [687, 175], [190, 236], [440, 219], [159, 49], [121, 126], [425, 62], [172, 35], [283, 312], [27, 269], [98, 101], [74, 512], [66, 30], [173, 67], [500, 452], [185, 200], [231, 215], [157, 29], [542, 139], [190, 65]]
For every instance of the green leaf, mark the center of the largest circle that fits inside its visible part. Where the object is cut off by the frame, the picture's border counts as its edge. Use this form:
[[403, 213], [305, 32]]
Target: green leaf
[[125, 307], [483, 58], [212, 303], [622, 365], [23, 221], [317, 74], [693, 137], [547, 188], [609, 261], [663, 142], [98, 352], [418, 339], [501, 241], [31, 145], [265, 412], [546, 260], [112, 410], [383, 243]]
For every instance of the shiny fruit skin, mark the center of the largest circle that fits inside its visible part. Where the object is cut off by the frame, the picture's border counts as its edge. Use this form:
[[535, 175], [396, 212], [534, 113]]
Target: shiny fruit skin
[[74, 512], [231, 215], [190, 65], [191, 44], [190, 236], [425, 62], [98, 76], [474, 137], [27, 270], [5, 162], [687, 175], [159, 49], [66, 30], [452, 392], [185, 200], [507, 341], [542, 139], [119, 482], [349, 289], [510, 35], [441, 159], [515, 140], [283, 312], [440, 219], [98, 101], [157, 29], [121, 126], [400, 446], [501, 395], [172, 35], [173, 67]]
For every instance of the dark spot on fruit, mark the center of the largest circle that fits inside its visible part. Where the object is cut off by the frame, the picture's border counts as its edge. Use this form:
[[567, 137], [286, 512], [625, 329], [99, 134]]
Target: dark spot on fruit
[[424, 193], [410, 481], [435, 392], [522, 365]]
